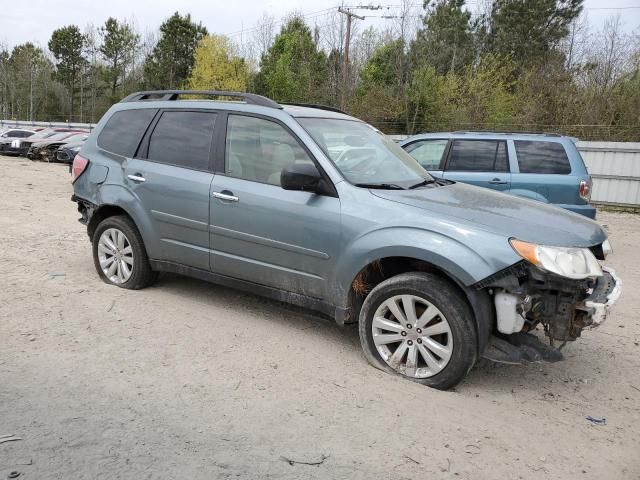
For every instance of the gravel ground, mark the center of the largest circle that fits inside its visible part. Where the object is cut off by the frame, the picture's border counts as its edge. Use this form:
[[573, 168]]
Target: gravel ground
[[190, 380]]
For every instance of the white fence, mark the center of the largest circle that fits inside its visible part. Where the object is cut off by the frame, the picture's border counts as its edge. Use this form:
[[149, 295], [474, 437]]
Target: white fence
[[615, 169]]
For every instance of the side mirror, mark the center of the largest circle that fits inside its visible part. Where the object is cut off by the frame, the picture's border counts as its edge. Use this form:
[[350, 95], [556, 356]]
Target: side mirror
[[300, 176]]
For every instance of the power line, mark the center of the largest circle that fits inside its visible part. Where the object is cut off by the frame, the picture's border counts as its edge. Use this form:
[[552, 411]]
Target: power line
[[327, 11]]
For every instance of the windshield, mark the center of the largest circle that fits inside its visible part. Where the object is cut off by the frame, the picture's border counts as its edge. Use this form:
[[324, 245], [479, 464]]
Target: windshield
[[364, 156]]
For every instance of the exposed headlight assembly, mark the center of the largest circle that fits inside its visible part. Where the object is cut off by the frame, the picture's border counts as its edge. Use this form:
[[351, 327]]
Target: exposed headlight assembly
[[575, 263]]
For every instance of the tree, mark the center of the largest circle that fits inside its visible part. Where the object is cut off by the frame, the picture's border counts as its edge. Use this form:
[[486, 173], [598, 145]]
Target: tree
[[380, 97], [293, 68], [5, 82], [119, 44], [31, 71], [171, 61], [527, 30], [66, 45], [446, 40], [217, 67]]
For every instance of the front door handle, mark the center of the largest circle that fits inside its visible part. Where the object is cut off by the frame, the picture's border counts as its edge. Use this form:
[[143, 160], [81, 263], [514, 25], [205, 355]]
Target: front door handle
[[137, 178], [497, 181], [229, 197]]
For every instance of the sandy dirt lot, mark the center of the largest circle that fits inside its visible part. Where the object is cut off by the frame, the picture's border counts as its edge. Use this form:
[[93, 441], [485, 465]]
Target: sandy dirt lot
[[193, 381]]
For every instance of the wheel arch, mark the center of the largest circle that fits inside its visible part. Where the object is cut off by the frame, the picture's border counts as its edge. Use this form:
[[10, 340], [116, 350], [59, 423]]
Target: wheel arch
[[117, 200], [378, 270]]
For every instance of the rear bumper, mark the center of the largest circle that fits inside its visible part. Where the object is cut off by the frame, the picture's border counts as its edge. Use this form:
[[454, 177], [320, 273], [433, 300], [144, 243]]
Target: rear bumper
[[588, 211]]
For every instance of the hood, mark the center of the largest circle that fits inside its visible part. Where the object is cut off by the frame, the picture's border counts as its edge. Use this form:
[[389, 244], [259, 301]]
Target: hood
[[511, 216]]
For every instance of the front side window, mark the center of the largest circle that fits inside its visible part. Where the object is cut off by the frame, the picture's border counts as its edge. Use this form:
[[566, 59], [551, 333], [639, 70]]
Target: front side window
[[542, 157], [478, 156], [428, 153], [363, 155], [259, 149], [183, 139], [124, 130]]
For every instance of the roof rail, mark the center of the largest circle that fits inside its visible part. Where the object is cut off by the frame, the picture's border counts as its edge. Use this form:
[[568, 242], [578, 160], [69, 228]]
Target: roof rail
[[250, 98], [509, 132], [316, 105]]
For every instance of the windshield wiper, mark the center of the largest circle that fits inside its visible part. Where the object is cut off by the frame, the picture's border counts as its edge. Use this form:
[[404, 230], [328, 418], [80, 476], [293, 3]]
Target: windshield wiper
[[381, 186], [422, 184]]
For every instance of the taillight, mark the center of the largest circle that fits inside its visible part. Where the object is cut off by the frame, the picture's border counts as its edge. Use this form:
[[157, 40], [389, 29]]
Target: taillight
[[79, 166], [585, 189]]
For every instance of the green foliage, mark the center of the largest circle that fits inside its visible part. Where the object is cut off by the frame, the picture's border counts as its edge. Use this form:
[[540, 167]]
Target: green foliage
[[66, 45], [527, 30], [505, 70], [217, 67], [385, 66], [446, 40], [30, 74], [119, 43], [293, 69], [172, 59]]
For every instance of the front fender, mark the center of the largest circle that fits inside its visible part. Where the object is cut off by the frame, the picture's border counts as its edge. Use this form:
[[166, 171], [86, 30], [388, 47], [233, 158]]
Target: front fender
[[452, 256]]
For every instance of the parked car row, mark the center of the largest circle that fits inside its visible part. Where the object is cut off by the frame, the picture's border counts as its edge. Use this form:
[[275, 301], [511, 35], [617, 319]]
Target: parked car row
[[42, 144], [313, 207]]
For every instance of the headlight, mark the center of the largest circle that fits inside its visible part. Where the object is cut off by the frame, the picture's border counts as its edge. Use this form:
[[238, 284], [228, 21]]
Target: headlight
[[606, 248], [576, 263], [15, 144]]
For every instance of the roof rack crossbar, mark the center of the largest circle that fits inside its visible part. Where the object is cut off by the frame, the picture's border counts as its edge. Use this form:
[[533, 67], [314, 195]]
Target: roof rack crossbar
[[250, 98], [316, 105]]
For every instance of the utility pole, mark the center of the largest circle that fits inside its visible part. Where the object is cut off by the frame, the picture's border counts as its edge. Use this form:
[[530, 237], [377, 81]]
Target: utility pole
[[345, 67]]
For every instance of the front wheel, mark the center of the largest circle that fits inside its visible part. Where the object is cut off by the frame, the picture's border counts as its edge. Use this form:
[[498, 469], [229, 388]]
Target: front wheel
[[418, 325]]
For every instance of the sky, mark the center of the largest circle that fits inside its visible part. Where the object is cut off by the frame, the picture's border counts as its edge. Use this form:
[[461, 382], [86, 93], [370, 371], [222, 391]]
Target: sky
[[35, 20]]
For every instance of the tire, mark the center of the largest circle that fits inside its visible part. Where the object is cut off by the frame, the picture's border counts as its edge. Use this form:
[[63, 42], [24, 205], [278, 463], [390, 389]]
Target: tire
[[442, 322], [130, 256]]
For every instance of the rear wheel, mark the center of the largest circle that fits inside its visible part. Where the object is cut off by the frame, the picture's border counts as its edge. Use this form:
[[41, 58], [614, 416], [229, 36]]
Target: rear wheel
[[119, 254], [419, 326]]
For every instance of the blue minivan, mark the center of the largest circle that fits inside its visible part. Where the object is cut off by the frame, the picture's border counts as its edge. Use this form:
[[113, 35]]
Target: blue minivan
[[543, 167]]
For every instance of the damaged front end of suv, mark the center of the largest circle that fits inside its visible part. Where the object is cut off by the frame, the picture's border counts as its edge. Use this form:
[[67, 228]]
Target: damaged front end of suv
[[563, 290]]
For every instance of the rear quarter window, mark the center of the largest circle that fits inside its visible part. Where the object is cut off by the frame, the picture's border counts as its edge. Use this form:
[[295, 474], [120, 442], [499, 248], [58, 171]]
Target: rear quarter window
[[124, 130], [542, 157]]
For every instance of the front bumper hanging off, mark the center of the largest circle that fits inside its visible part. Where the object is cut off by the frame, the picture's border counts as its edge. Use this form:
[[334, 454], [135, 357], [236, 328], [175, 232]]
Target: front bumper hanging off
[[564, 308], [604, 296]]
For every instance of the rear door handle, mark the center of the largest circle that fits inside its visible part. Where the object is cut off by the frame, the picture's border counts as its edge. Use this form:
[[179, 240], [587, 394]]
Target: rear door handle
[[137, 178], [229, 197], [497, 181]]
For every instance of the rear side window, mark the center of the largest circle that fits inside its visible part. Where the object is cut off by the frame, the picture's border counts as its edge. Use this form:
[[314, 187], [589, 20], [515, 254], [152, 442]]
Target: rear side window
[[428, 153], [183, 139], [478, 156], [124, 130], [542, 157]]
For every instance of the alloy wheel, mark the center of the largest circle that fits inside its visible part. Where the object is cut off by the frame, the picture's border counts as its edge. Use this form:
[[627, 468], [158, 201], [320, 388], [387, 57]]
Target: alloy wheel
[[115, 255], [412, 336]]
